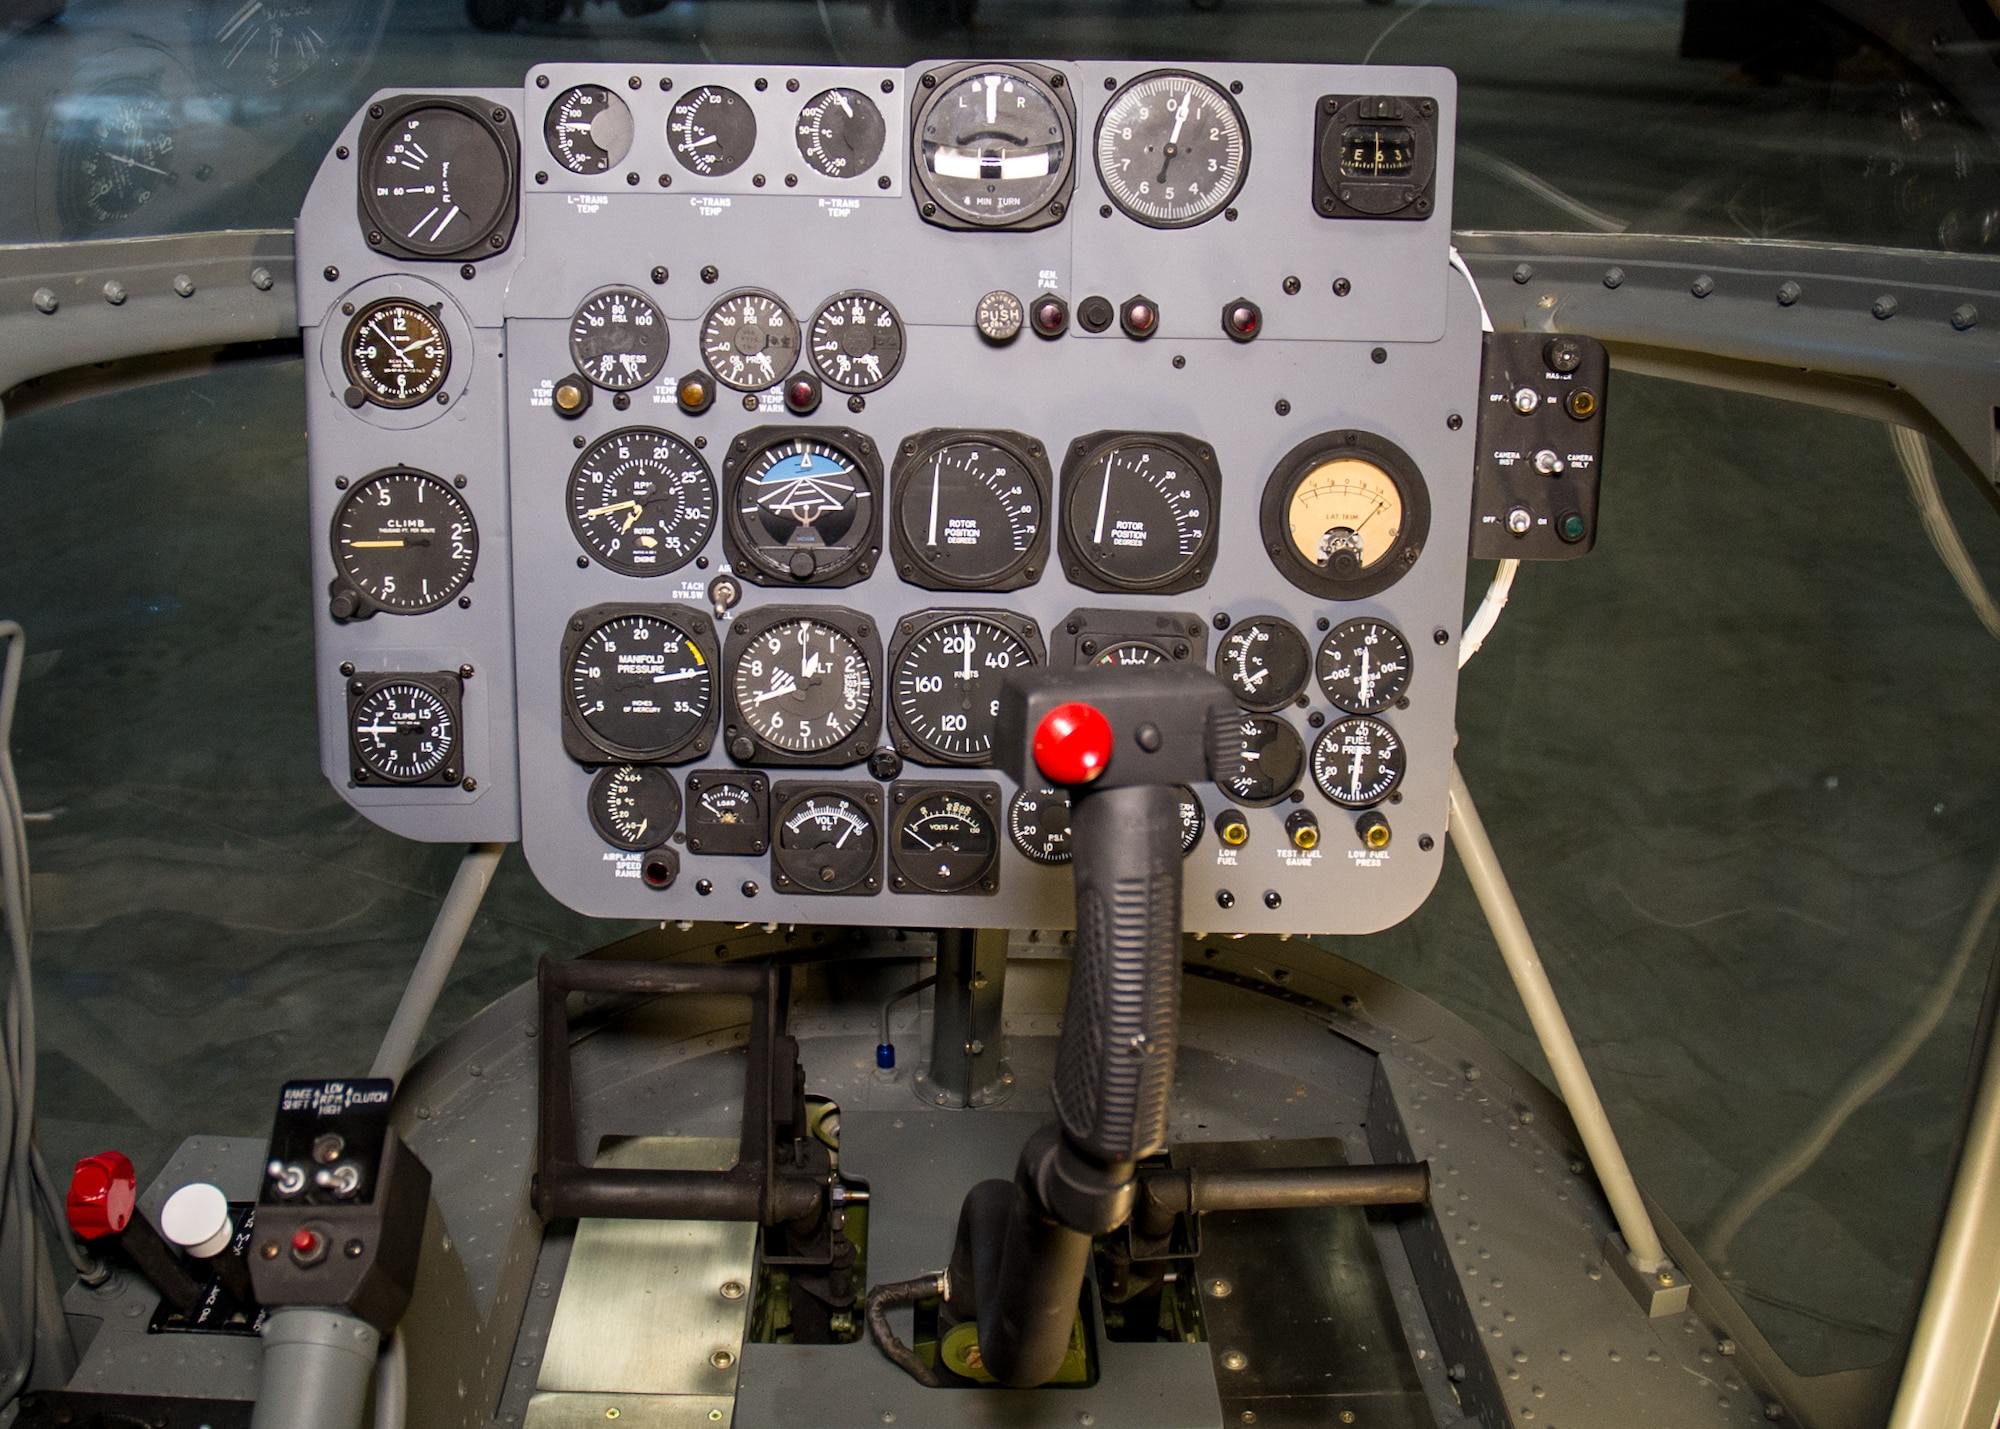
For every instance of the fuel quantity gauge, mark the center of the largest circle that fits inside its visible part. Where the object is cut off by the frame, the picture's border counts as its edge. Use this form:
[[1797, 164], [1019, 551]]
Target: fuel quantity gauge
[[970, 510]]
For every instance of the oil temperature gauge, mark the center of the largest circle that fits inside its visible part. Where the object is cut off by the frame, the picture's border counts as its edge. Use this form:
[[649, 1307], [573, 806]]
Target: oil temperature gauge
[[1273, 759], [1364, 666], [1264, 661], [827, 840], [618, 339], [1358, 762], [1345, 515], [634, 806], [588, 129], [944, 840], [970, 510]]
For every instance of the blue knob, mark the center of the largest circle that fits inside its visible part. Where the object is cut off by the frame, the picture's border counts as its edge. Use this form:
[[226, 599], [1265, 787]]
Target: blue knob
[[885, 1057]]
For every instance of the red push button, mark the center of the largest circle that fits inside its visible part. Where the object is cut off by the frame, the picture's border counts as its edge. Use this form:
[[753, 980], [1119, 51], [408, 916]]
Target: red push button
[[308, 1246], [102, 1190], [1073, 744]]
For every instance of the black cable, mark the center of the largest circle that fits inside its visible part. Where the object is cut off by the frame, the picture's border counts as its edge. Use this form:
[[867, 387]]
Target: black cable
[[903, 1292]]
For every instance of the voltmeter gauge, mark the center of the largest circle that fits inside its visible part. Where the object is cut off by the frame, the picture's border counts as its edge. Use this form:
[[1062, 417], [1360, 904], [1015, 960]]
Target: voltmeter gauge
[[634, 806], [944, 840], [1139, 512], [403, 542], [800, 687], [828, 840], [728, 812], [1345, 515], [1130, 652], [1264, 661], [588, 129], [856, 342], [1194, 819], [1358, 762], [1038, 824], [841, 133], [638, 686], [749, 340], [802, 506], [437, 178], [396, 353], [618, 339], [1364, 666], [711, 131], [1172, 149], [1273, 759], [995, 149], [945, 672], [642, 501], [402, 731], [971, 510]]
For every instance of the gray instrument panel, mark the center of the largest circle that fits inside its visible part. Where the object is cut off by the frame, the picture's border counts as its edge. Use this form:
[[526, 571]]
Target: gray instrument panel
[[1392, 350]]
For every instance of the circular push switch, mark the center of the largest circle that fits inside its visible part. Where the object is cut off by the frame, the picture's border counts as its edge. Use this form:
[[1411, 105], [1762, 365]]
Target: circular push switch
[[196, 1218], [1073, 743]]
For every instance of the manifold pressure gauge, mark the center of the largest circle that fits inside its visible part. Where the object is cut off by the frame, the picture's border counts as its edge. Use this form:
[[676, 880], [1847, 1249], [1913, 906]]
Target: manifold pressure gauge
[[404, 729], [856, 342], [801, 506], [1138, 511], [802, 683], [971, 510], [944, 840], [828, 839], [639, 684], [711, 131], [404, 542], [945, 672], [1364, 666], [396, 353], [588, 129], [1345, 515], [994, 148], [841, 133], [1358, 762], [641, 501], [618, 339], [749, 340], [1264, 661], [634, 806], [1172, 149]]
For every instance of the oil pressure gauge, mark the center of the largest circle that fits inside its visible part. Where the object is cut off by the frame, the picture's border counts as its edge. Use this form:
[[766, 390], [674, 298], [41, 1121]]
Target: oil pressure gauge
[[1172, 149], [828, 839], [618, 339], [856, 342], [749, 340], [1345, 515]]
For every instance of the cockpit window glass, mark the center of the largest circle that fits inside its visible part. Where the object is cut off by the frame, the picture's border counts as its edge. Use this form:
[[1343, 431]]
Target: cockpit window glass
[[1736, 765], [1781, 119]]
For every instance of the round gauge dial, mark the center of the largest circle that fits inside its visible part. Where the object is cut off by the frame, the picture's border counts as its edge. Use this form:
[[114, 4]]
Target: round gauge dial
[[1172, 149], [994, 147], [945, 686], [435, 181], [1038, 823], [856, 342], [749, 340], [944, 842], [803, 508], [114, 152], [1264, 661], [396, 353], [1273, 759], [618, 339], [1130, 652], [634, 806], [406, 541], [827, 843], [642, 501], [1364, 666], [969, 512], [1138, 515], [641, 686], [711, 131], [803, 686], [841, 133], [403, 732], [588, 129], [1193, 819], [1345, 515], [1358, 762]]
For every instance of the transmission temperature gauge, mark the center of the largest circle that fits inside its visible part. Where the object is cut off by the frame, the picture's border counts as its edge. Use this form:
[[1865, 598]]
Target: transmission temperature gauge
[[841, 133], [828, 840], [711, 131], [588, 129]]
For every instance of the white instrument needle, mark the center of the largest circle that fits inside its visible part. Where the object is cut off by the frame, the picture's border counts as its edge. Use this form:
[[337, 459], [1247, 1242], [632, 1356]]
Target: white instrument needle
[[1103, 499], [937, 470]]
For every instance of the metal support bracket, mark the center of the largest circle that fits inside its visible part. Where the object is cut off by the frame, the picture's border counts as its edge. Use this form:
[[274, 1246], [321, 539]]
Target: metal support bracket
[[968, 1066], [1660, 1293]]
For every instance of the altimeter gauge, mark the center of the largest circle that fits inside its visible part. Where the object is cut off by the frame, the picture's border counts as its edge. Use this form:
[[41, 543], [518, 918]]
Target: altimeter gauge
[[618, 339], [588, 129], [749, 340], [856, 342], [801, 506], [1345, 515], [396, 354], [642, 501], [404, 542], [1172, 149], [802, 685]]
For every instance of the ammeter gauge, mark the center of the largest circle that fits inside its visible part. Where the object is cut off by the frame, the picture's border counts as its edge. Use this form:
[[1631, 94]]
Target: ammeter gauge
[[944, 840], [711, 131], [404, 729], [1273, 759], [1139, 511], [634, 806], [641, 501], [403, 542], [749, 340], [971, 510], [945, 672], [856, 342], [994, 148], [1358, 762], [588, 129], [639, 684], [841, 133], [827, 839], [1264, 661], [437, 178], [618, 339], [1363, 666], [801, 506], [802, 687], [396, 354], [1172, 149]]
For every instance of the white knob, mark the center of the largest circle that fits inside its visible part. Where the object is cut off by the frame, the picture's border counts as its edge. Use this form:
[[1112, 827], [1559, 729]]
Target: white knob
[[196, 1218]]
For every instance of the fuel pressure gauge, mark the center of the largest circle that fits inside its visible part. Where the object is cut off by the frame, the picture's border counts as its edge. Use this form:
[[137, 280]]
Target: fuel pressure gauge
[[1358, 762]]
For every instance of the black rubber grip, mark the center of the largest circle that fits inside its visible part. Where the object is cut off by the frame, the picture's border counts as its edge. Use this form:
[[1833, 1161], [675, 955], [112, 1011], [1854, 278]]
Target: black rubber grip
[[1115, 1062]]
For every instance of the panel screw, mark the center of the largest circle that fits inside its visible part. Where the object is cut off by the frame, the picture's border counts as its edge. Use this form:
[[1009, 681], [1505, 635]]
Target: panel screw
[[340, 483], [1292, 286], [1613, 277], [709, 274], [1964, 316], [341, 152], [1789, 293], [1220, 1289], [541, 81], [184, 285], [1341, 287], [1440, 636], [1883, 307], [1702, 286], [469, 784], [732, 1290], [1379, 356], [46, 300], [857, 403], [1523, 272], [1426, 842], [1224, 898], [1283, 408], [1273, 899], [660, 273], [465, 672], [261, 279], [467, 271]]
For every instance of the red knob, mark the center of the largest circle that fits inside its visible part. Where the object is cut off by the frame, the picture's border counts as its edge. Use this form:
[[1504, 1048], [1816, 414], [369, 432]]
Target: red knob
[[305, 1242], [1073, 744], [102, 1191]]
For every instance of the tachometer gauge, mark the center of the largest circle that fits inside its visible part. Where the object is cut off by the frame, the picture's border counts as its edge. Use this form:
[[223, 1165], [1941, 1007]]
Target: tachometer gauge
[[945, 672], [1357, 763], [841, 133], [618, 339], [728, 812], [1172, 149], [588, 129], [749, 340], [114, 152], [437, 179], [801, 506], [402, 731], [396, 354], [1139, 512], [634, 806], [638, 684], [1364, 666], [1130, 652], [856, 342], [404, 542], [711, 131], [970, 510], [828, 840], [802, 687], [1345, 515], [642, 501], [944, 840], [1273, 758], [1038, 824], [994, 149], [1264, 661]]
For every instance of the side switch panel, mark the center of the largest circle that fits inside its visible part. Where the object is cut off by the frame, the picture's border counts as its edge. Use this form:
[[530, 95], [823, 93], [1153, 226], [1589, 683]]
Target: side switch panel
[[1541, 443]]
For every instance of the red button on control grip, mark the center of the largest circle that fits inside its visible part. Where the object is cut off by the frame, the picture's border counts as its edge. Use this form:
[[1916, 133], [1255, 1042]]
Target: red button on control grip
[[102, 1191], [1073, 744]]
